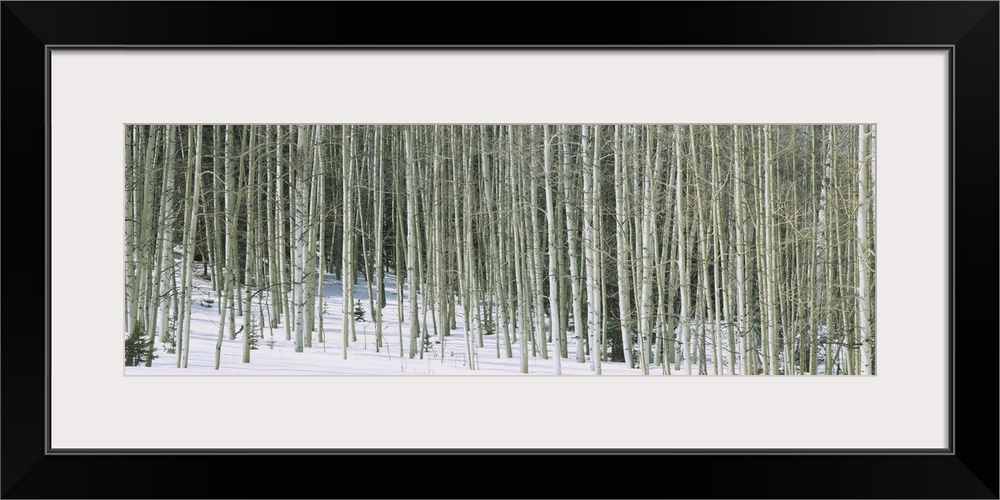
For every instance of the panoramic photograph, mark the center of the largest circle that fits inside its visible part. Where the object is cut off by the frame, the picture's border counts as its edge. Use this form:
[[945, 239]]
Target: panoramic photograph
[[499, 249]]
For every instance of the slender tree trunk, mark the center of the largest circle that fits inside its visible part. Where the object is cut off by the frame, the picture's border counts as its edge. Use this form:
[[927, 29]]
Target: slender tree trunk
[[770, 252], [814, 266], [864, 264], [499, 240], [130, 206], [402, 273], [379, 223], [284, 290], [165, 261], [600, 322], [185, 300], [738, 182], [682, 256], [550, 214], [571, 231], [251, 246], [215, 233], [470, 308], [536, 254], [622, 245], [347, 255], [649, 196], [142, 247], [307, 157], [192, 229], [828, 250], [274, 278], [319, 268], [705, 293], [520, 279], [411, 237], [300, 203], [436, 244], [721, 284], [229, 218], [590, 244]]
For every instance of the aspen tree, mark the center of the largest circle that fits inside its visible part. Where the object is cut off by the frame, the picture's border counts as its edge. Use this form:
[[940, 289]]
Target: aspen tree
[[864, 265], [589, 242], [550, 215], [519, 271], [411, 237], [251, 257], [535, 251], [572, 245], [347, 254], [191, 230], [379, 238], [621, 244], [682, 256], [165, 260]]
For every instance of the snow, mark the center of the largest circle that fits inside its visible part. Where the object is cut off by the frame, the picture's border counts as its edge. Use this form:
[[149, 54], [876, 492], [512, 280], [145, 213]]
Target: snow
[[276, 356]]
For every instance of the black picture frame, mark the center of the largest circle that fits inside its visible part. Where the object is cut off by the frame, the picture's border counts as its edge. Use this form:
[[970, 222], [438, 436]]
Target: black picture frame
[[968, 29]]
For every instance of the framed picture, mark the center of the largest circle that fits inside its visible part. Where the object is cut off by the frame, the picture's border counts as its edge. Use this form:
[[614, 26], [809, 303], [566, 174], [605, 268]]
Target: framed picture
[[922, 76]]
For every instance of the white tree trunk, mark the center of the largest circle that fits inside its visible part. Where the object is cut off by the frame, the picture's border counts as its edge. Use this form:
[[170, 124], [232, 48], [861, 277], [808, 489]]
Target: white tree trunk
[[590, 246], [572, 245], [649, 197], [864, 264], [550, 214], [251, 245], [379, 223], [192, 229], [535, 254], [411, 238], [347, 255], [166, 260], [622, 245], [682, 270], [300, 198], [740, 271], [770, 251]]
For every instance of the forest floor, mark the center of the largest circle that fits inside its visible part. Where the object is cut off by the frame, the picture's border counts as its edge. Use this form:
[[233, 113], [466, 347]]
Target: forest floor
[[275, 355]]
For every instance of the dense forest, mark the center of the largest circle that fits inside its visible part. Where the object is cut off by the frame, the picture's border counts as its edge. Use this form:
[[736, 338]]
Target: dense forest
[[662, 249]]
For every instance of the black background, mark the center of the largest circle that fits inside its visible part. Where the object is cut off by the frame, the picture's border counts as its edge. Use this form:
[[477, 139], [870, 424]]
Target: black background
[[972, 472]]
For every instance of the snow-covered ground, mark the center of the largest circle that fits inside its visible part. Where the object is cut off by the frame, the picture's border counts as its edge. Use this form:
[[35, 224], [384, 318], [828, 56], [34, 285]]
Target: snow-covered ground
[[276, 356]]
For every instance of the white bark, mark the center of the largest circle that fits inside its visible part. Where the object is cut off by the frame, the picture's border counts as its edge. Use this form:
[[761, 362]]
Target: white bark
[[770, 252], [622, 245], [649, 197], [572, 245], [283, 289], [166, 260], [347, 256], [682, 257], [864, 264], [590, 246], [535, 254], [251, 245], [379, 223], [740, 271], [300, 198], [550, 214], [411, 238], [192, 229], [519, 253]]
